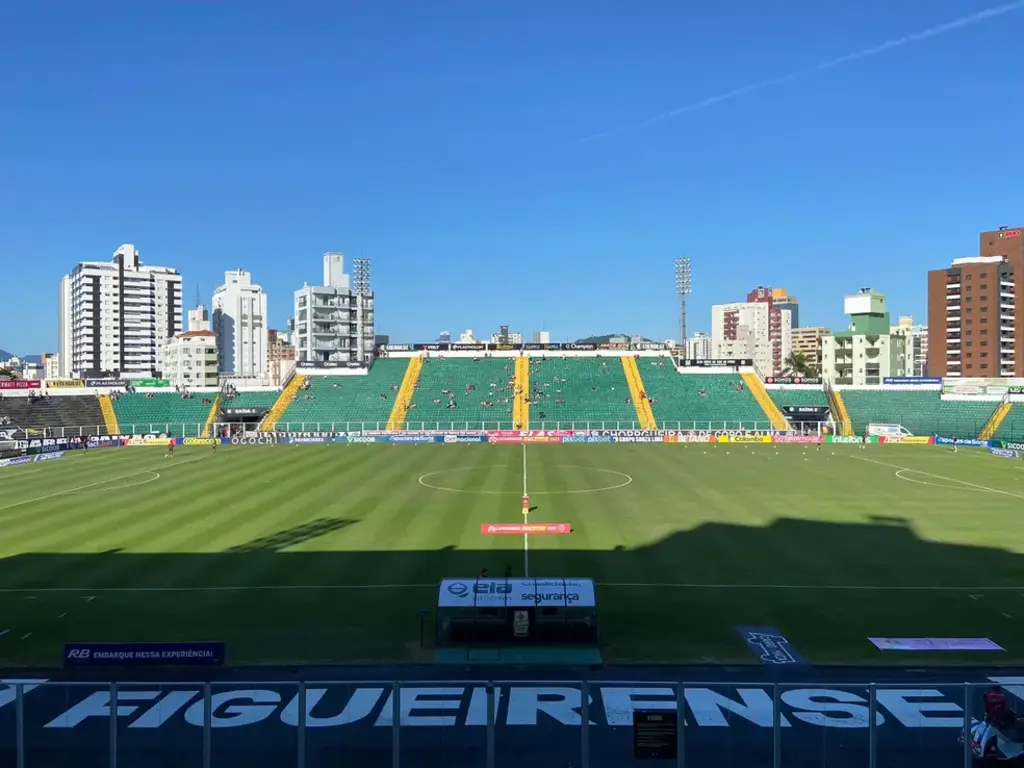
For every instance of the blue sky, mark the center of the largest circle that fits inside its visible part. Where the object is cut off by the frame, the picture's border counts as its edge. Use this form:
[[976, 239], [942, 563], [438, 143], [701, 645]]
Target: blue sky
[[445, 141]]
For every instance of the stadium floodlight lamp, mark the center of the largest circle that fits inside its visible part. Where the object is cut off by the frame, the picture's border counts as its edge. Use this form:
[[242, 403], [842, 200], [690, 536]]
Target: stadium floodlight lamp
[[683, 282], [361, 276]]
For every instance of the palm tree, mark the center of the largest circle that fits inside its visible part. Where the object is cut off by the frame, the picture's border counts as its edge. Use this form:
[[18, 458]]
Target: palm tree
[[798, 365]]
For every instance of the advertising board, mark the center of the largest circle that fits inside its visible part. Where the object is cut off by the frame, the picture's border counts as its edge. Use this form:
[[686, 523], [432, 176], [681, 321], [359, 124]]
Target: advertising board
[[793, 380], [912, 380], [147, 440], [255, 438], [106, 383], [907, 439], [969, 442], [714, 363], [202, 654], [20, 384], [803, 439], [68, 383]]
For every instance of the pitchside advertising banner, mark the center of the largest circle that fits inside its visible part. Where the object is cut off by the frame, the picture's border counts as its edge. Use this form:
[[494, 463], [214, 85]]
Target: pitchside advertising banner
[[19, 384], [444, 722], [204, 654], [911, 380], [69, 383], [106, 383], [793, 380]]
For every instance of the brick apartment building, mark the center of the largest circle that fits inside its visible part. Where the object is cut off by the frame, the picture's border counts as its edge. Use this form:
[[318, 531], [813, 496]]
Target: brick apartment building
[[975, 326]]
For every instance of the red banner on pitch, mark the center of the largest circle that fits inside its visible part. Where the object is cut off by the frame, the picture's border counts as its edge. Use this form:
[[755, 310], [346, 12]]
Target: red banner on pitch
[[521, 528]]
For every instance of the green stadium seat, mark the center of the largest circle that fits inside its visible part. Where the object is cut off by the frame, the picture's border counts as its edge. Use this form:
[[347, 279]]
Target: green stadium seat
[[344, 403], [251, 400], [677, 401], [144, 412], [922, 413], [799, 397], [1012, 427], [59, 415], [491, 377], [594, 392]]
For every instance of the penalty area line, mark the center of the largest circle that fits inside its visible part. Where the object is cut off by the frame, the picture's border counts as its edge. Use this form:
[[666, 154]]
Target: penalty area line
[[434, 585]]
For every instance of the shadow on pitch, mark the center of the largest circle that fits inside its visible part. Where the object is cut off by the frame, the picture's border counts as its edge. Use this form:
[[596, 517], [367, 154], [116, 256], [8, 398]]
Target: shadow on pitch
[[827, 586]]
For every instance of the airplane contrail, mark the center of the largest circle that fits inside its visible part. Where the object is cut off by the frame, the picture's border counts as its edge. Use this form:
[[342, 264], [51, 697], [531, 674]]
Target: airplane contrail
[[899, 42]]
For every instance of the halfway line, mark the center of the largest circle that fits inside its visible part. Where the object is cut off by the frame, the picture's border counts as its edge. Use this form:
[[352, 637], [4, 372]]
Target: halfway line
[[434, 585]]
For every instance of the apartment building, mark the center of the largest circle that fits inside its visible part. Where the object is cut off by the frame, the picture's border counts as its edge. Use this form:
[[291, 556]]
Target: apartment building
[[755, 329], [240, 322], [975, 328], [116, 317], [333, 322]]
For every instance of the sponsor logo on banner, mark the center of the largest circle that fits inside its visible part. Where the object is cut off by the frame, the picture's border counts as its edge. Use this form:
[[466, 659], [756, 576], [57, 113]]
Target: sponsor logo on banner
[[313, 440], [19, 384], [804, 439], [915, 380], [16, 462], [1013, 446], [962, 389], [638, 439], [410, 439], [599, 439], [150, 382], [201, 441], [106, 383], [69, 383], [969, 442], [107, 441], [143, 654], [907, 439], [363, 440], [50, 456], [719, 363], [850, 439], [158, 711], [1006, 453], [450, 438], [397, 347], [255, 438], [529, 436], [1016, 390], [492, 529], [793, 380], [1008, 233], [889, 430], [745, 439], [148, 440]]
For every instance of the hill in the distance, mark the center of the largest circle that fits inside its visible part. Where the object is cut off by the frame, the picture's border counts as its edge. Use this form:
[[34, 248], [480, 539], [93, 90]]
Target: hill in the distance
[[5, 355]]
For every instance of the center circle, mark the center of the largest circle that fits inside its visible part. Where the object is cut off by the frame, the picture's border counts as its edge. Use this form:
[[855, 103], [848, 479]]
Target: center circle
[[625, 480]]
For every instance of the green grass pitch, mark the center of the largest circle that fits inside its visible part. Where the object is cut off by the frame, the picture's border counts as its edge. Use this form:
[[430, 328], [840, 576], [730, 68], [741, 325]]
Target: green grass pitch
[[327, 553]]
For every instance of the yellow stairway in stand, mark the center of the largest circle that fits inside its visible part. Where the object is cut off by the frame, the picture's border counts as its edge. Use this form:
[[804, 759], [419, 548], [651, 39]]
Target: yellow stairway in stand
[[212, 418], [521, 404], [405, 392], [644, 414], [994, 421], [109, 417], [283, 401], [771, 410], [840, 414]]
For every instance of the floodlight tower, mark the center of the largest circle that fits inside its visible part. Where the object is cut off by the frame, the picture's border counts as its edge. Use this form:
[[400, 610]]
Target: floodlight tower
[[683, 286]]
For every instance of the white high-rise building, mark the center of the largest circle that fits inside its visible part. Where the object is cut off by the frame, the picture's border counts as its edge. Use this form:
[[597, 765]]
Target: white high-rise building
[[240, 322], [191, 357], [698, 347], [333, 322], [752, 330], [116, 317], [541, 337]]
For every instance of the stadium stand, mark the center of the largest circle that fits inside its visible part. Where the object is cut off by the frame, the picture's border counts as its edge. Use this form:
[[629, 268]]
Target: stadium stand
[[784, 397], [922, 413], [711, 400], [580, 390], [250, 400], [1012, 425], [638, 393], [403, 399], [284, 399], [468, 382], [768, 407], [81, 412], [143, 412], [348, 402]]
